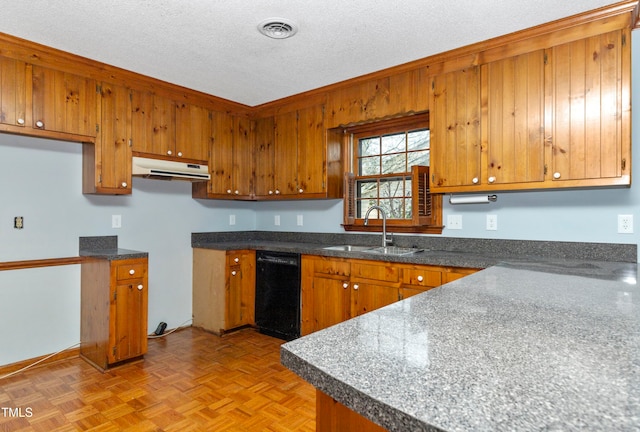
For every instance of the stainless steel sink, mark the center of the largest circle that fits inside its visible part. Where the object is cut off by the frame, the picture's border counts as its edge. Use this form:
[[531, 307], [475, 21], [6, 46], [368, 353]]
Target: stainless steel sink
[[348, 248], [387, 250], [393, 250]]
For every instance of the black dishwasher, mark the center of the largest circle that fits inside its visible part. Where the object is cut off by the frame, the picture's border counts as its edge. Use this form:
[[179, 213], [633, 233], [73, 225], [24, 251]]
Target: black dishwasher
[[278, 294]]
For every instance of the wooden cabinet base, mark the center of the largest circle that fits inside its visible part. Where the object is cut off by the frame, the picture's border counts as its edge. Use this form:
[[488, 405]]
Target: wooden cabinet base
[[111, 366], [332, 416], [113, 311]]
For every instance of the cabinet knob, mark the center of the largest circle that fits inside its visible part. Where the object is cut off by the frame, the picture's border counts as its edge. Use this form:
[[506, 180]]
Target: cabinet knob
[[236, 260], [132, 272], [140, 287], [228, 191], [233, 273], [556, 175], [491, 179], [237, 192], [20, 121], [277, 191], [169, 152], [124, 184], [345, 285], [39, 124], [356, 286], [475, 180], [300, 190], [420, 278], [180, 154], [270, 192]]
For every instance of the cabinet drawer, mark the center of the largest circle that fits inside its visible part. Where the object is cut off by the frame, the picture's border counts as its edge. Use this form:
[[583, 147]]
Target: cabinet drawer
[[235, 257], [331, 267], [421, 277], [131, 270], [377, 271]]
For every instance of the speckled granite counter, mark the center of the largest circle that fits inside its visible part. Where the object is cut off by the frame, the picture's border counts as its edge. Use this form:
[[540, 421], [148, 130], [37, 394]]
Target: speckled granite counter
[[106, 247], [443, 251], [512, 347]]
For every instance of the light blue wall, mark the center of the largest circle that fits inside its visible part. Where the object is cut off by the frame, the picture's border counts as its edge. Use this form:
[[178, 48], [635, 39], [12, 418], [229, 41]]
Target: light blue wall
[[41, 181]]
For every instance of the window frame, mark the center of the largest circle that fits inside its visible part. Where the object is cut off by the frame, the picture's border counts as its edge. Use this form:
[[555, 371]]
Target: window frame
[[417, 224]]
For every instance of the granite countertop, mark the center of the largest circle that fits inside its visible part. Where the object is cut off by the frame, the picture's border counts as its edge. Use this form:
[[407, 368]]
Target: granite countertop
[[448, 252], [517, 346], [113, 254], [106, 247]]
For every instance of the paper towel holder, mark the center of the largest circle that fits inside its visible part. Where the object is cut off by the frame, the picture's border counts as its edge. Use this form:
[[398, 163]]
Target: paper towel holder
[[472, 199]]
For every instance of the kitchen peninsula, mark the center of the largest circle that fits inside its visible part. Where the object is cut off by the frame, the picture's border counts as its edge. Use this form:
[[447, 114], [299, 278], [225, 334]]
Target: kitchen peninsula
[[520, 346]]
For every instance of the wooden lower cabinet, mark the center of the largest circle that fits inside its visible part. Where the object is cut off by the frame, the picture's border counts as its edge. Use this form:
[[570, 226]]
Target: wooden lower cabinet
[[114, 297], [332, 416], [223, 289], [337, 289]]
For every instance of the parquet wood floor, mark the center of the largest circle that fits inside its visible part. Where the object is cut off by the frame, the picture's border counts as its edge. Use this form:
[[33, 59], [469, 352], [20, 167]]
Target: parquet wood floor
[[190, 380]]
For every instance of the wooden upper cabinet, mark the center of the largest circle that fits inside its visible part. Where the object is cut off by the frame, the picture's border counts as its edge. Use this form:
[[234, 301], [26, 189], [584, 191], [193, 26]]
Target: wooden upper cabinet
[[107, 163], [221, 160], [63, 102], [13, 92], [231, 159], [513, 126], [550, 118], [455, 129], [153, 124], [589, 105], [300, 155], [312, 151], [264, 148], [165, 128], [193, 131], [243, 157], [286, 154]]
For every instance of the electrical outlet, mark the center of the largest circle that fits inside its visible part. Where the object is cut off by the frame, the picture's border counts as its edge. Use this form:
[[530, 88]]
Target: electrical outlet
[[492, 222], [116, 221], [18, 222], [454, 222], [625, 224], [276, 220], [300, 220], [232, 219]]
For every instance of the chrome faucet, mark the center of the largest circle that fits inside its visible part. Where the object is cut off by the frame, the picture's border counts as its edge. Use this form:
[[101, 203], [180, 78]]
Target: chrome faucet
[[385, 240]]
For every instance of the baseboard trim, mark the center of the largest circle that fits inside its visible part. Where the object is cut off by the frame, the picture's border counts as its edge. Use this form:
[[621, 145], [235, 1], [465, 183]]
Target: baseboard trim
[[63, 355]]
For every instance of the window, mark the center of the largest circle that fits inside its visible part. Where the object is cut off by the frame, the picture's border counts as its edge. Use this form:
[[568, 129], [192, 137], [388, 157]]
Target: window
[[390, 169]]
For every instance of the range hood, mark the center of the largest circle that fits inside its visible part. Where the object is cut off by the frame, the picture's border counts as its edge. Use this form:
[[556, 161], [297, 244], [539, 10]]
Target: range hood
[[169, 170]]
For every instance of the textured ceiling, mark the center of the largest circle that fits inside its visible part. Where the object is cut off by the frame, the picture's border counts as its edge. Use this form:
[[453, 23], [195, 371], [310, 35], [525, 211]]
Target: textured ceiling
[[214, 46]]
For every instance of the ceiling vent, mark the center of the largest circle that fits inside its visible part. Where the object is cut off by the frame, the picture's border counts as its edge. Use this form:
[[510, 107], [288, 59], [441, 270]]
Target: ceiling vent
[[277, 28]]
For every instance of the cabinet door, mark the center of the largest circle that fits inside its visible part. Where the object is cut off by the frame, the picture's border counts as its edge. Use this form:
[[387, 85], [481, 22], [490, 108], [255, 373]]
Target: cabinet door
[[129, 320], [193, 132], [513, 133], [242, 157], [153, 124], [286, 153], [331, 302], [63, 102], [13, 92], [367, 297], [221, 161], [589, 99], [113, 150], [455, 129], [265, 157], [311, 151], [240, 289]]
